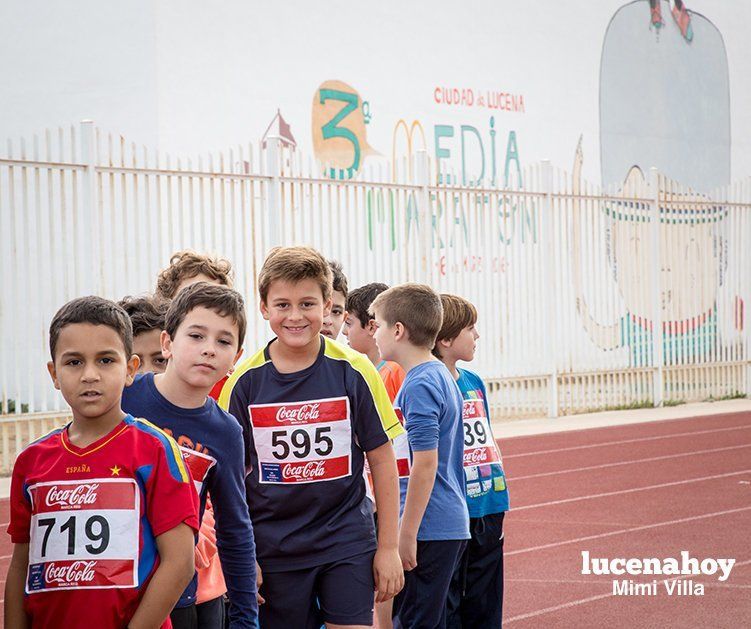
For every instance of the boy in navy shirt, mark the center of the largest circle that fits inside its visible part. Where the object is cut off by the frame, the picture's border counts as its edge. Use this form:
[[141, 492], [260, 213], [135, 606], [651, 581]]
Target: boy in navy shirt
[[476, 593], [204, 329], [311, 410], [435, 521]]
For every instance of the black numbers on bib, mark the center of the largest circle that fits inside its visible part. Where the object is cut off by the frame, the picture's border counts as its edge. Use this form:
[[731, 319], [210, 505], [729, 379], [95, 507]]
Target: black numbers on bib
[[299, 444], [475, 433], [101, 536]]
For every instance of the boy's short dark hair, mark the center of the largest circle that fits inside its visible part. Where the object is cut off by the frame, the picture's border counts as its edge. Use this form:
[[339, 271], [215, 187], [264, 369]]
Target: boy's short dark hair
[[360, 299], [223, 300], [186, 264], [458, 313], [294, 264], [96, 311], [417, 307], [146, 312], [339, 280]]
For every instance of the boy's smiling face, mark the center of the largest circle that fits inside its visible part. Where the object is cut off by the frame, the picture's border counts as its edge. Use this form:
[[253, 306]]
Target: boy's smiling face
[[204, 348], [295, 311], [91, 370], [148, 347]]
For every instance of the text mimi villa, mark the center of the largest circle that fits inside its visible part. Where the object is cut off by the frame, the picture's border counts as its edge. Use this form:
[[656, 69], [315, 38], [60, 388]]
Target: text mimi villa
[[673, 567]]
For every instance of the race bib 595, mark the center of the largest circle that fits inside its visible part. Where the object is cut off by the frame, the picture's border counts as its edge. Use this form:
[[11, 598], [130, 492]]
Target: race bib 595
[[302, 442]]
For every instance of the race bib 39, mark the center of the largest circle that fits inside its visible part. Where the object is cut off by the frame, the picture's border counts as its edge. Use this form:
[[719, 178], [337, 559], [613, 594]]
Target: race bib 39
[[479, 446]]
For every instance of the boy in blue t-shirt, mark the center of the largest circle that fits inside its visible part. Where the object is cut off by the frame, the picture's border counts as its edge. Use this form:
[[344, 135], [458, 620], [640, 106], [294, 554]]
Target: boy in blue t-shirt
[[435, 521], [476, 593], [204, 330]]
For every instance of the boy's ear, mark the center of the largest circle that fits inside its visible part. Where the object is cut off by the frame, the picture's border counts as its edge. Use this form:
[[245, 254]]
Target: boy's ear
[[446, 342], [237, 357], [53, 374], [371, 327], [132, 369], [400, 332], [264, 310], [166, 341], [327, 307]]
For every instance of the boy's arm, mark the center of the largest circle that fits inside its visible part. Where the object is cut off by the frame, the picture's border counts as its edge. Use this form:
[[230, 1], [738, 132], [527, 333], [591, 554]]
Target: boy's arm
[[234, 532], [421, 404], [15, 616], [419, 488], [387, 568], [172, 576]]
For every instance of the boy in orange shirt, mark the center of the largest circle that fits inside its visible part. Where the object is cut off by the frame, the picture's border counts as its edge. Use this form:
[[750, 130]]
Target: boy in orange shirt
[[359, 328]]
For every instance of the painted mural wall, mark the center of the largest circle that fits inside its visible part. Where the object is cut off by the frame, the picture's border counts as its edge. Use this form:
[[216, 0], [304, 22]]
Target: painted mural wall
[[485, 88], [604, 89]]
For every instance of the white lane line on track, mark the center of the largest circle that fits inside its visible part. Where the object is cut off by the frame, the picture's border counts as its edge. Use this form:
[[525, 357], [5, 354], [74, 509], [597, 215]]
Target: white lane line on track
[[632, 462], [556, 608], [632, 529], [581, 601], [628, 491], [624, 441]]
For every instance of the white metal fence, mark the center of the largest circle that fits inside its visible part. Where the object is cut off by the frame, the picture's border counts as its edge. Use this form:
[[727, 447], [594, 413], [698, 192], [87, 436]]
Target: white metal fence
[[587, 298]]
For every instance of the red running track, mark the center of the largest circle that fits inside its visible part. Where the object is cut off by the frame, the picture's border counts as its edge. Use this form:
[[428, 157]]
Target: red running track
[[640, 490]]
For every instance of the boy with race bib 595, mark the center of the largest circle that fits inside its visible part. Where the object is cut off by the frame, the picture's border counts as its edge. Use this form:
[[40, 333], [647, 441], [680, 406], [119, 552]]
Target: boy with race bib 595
[[311, 410]]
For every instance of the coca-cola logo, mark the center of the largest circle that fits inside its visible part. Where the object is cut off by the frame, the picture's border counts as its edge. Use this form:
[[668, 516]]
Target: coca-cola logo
[[302, 414], [72, 497], [471, 409], [476, 456], [303, 471], [76, 572]]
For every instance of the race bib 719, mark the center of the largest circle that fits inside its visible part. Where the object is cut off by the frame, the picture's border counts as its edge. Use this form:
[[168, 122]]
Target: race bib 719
[[84, 534]]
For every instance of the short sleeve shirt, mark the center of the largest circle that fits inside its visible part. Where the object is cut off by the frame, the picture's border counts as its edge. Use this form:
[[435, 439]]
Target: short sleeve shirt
[[432, 408], [305, 437], [483, 467], [91, 517]]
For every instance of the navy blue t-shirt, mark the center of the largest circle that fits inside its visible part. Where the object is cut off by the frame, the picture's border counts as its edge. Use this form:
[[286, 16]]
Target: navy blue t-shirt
[[211, 443], [305, 437], [432, 407]]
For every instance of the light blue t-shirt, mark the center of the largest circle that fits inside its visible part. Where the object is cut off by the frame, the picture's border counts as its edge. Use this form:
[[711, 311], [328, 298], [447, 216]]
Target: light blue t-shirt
[[432, 407], [486, 483]]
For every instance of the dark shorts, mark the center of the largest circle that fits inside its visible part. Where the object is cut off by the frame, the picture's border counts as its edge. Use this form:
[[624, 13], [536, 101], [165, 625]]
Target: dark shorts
[[340, 592], [476, 595], [422, 602]]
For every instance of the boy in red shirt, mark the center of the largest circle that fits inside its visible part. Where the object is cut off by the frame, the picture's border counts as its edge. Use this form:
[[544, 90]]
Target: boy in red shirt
[[103, 511]]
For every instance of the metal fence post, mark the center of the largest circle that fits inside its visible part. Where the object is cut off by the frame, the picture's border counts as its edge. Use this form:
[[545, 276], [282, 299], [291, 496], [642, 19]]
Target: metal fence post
[[88, 268], [656, 285], [273, 190], [424, 216], [548, 294]]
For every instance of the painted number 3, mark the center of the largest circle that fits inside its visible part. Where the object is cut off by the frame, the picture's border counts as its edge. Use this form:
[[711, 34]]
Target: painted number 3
[[474, 432], [96, 528], [299, 444], [331, 130]]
